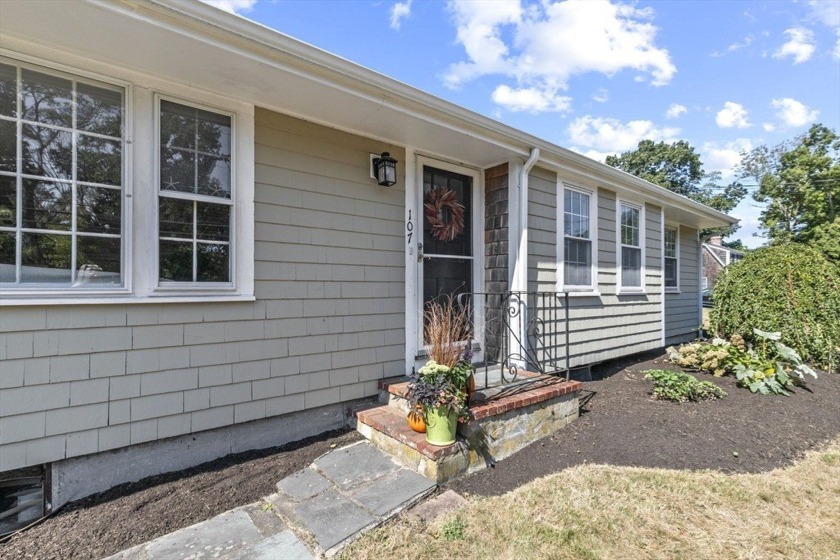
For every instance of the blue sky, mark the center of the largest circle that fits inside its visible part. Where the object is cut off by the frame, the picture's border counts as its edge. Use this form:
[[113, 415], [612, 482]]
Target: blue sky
[[598, 76]]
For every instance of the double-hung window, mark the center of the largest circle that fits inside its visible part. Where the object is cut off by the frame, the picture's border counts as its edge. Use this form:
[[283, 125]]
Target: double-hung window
[[631, 243], [123, 188], [61, 181], [195, 203], [578, 241], [672, 269]]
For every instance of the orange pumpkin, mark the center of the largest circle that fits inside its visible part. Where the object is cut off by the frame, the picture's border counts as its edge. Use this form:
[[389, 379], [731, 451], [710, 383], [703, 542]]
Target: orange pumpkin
[[416, 421]]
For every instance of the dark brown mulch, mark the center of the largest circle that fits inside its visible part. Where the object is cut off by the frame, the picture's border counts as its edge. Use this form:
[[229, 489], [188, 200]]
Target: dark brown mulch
[[621, 425], [133, 513]]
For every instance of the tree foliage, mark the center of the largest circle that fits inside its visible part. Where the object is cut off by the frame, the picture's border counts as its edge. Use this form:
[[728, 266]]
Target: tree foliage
[[799, 180], [790, 288], [678, 168]]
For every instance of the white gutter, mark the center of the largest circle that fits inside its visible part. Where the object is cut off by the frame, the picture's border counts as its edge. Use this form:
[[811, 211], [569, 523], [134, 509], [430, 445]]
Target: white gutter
[[518, 237], [520, 266]]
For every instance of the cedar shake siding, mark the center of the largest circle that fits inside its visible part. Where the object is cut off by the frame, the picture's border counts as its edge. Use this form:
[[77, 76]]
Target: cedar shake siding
[[328, 321]]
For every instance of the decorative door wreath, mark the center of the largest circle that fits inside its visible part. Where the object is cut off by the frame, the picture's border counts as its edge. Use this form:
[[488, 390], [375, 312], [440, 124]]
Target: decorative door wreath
[[438, 200]]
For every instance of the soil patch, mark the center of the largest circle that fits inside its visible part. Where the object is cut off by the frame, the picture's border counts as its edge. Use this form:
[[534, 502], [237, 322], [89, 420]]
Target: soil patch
[[129, 514], [621, 425]]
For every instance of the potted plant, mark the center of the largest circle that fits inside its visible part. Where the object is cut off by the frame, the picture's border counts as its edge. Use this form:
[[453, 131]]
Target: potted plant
[[440, 388]]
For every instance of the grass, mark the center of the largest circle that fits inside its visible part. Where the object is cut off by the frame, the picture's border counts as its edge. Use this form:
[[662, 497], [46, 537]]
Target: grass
[[599, 511]]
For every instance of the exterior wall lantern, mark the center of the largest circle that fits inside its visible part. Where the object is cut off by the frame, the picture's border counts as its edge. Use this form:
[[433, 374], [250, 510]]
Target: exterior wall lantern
[[384, 169]]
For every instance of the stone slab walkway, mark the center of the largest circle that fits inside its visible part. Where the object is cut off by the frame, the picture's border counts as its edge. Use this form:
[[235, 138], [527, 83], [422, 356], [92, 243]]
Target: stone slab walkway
[[346, 492], [330, 503]]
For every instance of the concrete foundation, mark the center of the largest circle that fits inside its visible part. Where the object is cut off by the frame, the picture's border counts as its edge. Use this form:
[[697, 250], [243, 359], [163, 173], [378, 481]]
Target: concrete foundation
[[73, 479]]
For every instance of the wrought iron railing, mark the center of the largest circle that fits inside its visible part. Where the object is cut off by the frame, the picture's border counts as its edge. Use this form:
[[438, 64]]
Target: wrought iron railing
[[519, 331]]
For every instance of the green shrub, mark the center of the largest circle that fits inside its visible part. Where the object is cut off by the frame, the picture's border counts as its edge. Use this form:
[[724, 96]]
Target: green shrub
[[791, 288], [681, 387]]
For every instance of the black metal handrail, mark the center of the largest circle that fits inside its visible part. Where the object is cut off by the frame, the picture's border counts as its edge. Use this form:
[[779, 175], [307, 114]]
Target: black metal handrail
[[520, 331]]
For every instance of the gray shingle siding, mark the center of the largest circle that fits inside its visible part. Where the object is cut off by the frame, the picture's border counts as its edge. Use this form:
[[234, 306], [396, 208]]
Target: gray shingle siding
[[327, 323]]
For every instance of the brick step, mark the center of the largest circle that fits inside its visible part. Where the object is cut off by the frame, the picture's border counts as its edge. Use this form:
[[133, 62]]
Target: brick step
[[517, 415], [386, 427]]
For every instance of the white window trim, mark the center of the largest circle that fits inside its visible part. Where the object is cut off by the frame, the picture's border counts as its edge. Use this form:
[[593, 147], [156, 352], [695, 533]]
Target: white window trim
[[640, 206], [592, 288], [675, 228], [705, 284], [234, 201], [140, 159]]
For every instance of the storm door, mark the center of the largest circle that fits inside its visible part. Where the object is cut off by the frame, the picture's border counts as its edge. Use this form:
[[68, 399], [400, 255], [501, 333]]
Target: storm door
[[448, 248]]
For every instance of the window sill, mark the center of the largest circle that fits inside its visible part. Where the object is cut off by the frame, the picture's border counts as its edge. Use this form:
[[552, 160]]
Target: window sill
[[21, 301], [593, 293], [631, 292], [672, 291]]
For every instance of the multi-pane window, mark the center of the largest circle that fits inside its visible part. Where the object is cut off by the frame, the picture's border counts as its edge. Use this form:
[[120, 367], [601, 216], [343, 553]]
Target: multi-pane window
[[631, 245], [195, 201], [671, 259], [577, 239], [61, 180]]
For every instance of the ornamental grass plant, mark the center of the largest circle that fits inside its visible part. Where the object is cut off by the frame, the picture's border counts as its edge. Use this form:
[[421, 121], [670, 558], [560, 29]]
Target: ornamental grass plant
[[447, 327]]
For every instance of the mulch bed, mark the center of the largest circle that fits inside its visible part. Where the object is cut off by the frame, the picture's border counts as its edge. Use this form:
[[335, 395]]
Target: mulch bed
[[134, 513], [620, 425]]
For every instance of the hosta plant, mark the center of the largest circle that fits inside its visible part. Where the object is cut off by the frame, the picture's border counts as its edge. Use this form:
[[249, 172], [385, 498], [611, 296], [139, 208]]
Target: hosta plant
[[769, 366]]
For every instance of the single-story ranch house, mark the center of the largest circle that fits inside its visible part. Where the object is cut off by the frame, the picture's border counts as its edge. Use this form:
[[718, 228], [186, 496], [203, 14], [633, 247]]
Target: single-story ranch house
[[198, 256]]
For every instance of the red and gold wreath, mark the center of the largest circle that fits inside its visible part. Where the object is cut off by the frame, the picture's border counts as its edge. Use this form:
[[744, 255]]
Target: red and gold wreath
[[438, 200]]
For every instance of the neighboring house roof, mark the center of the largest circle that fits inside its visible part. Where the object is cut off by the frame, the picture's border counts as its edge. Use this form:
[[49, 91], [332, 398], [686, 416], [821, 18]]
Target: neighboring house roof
[[206, 48], [723, 255]]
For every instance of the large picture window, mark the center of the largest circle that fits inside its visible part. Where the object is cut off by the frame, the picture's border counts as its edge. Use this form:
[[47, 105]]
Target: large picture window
[[61, 180], [631, 241], [195, 203], [671, 259], [578, 239]]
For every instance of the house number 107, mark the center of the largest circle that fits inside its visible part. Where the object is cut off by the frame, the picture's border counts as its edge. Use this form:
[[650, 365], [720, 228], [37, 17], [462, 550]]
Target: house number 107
[[409, 228]]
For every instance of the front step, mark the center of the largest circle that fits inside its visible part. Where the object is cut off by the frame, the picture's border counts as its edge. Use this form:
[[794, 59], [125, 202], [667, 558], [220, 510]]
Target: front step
[[503, 421]]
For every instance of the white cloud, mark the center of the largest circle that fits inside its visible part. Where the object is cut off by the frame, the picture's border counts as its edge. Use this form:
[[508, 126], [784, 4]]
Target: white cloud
[[826, 12], [724, 157], [748, 40], [593, 154], [232, 6], [675, 110], [800, 45], [601, 95], [399, 12], [533, 100], [794, 113], [613, 136], [768, 127], [543, 45], [733, 115], [835, 52]]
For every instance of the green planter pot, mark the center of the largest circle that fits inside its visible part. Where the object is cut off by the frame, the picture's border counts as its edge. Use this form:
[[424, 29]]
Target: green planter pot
[[441, 425]]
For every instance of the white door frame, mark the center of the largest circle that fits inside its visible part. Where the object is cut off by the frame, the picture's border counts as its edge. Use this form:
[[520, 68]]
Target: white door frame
[[414, 267]]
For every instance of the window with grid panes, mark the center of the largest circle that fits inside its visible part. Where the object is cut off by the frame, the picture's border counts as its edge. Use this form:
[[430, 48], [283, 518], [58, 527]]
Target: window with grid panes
[[671, 259], [195, 203], [61, 180], [631, 245], [577, 239]]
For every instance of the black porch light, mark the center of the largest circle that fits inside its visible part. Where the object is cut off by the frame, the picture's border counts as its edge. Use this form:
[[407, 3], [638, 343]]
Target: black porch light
[[385, 169]]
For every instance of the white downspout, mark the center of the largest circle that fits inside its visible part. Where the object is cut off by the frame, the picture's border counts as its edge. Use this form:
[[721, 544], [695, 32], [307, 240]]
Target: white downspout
[[520, 266]]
